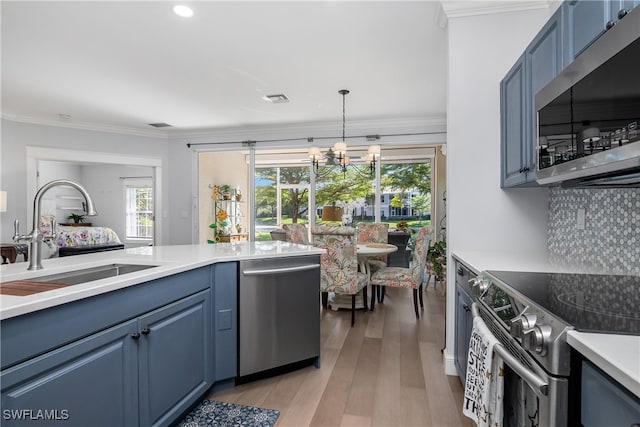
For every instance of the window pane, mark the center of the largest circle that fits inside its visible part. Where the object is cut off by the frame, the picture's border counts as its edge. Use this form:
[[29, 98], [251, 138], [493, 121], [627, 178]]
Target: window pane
[[406, 189], [139, 212]]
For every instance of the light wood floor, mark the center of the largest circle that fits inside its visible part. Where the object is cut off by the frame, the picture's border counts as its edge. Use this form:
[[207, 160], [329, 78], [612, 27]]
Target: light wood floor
[[385, 371]]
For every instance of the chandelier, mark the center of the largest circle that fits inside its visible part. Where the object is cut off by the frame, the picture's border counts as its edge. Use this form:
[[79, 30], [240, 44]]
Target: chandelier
[[337, 155]]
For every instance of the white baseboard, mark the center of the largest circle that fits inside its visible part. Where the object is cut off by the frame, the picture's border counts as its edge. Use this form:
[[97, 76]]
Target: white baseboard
[[449, 364]]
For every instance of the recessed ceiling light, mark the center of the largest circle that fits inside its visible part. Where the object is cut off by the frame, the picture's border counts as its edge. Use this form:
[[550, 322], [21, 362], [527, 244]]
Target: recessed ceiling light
[[182, 10]]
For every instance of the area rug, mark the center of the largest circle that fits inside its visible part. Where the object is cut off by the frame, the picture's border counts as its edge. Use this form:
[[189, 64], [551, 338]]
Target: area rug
[[223, 414]]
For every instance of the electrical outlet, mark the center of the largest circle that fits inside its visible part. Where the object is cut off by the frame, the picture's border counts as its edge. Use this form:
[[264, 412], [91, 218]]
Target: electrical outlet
[[581, 219]]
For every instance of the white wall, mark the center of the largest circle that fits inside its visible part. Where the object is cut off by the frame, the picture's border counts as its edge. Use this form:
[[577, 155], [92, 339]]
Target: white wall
[[481, 215], [229, 168], [107, 190], [17, 136]]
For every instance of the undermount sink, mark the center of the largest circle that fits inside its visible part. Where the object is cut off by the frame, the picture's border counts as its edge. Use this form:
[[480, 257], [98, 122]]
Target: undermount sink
[[90, 274]]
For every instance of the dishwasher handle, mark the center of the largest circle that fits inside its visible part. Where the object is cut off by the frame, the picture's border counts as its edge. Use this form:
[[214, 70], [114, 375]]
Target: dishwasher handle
[[282, 270]]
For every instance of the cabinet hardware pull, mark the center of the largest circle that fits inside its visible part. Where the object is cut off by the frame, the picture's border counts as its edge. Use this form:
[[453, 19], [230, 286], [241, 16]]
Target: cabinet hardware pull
[[622, 13], [610, 25], [466, 308], [460, 271], [135, 335], [145, 330]]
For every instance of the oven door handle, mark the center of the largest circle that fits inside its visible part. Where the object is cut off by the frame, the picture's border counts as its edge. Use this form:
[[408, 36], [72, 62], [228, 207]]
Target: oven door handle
[[522, 371]]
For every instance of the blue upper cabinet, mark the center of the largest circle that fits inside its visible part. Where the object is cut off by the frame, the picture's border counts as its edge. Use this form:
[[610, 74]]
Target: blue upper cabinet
[[513, 128], [586, 20], [541, 62]]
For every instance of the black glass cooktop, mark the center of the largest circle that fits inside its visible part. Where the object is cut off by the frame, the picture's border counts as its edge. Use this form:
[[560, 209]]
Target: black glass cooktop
[[588, 302]]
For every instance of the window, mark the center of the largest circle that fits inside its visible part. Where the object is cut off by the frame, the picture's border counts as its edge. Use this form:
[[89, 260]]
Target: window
[[139, 209]]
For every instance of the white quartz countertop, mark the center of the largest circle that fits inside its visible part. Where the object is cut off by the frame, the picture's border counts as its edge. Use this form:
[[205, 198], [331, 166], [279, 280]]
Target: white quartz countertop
[[511, 261], [167, 260], [617, 355]]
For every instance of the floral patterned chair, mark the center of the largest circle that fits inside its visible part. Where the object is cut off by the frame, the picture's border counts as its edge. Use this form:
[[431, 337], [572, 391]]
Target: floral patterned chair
[[376, 232], [339, 266], [296, 233], [411, 277]]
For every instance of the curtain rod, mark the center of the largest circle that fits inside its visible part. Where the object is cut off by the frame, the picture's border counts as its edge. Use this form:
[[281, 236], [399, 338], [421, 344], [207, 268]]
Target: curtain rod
[[250, 143], [134, 177]]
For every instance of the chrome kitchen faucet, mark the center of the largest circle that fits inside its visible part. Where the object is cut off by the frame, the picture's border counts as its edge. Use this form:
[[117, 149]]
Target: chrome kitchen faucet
[[36, 237]]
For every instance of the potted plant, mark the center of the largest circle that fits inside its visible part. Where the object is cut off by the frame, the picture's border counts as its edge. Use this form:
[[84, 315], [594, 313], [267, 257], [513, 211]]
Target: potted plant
[[238, 195], [402, 226], [437, 260], [78, 219], [226, 191]]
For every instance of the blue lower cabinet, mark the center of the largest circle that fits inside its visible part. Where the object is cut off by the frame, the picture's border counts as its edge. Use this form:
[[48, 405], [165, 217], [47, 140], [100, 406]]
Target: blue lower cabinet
[[145, 371], [92, 382], [605, 402], [225, 320], [174, 358]]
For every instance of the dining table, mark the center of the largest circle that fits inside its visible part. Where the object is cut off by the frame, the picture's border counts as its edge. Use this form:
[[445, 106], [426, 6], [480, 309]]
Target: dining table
[[364, 252]]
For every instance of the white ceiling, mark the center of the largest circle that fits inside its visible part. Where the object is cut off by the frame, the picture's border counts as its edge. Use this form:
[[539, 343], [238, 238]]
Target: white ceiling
[[120, 65], [125, 64]]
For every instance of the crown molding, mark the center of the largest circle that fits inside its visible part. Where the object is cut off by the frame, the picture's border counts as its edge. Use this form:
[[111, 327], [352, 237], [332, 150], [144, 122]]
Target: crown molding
[[434, 126], [459, 9], [70, 124]]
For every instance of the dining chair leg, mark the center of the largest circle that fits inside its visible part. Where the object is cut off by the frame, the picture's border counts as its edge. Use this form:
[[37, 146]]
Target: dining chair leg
[[353, 309], [383, 290], [374, 290], [325, 299], [379, 293], [415, 302], [364, 298], [420, 293]]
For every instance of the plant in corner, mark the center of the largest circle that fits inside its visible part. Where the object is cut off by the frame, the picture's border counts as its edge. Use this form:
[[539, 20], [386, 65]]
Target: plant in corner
[[77, 218], [226, 191], [437, 259]]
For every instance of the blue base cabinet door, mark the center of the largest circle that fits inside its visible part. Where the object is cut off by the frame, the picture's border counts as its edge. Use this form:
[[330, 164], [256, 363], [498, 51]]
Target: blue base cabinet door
[[464, 325], [176, 364], [225, 320], [91, 382]]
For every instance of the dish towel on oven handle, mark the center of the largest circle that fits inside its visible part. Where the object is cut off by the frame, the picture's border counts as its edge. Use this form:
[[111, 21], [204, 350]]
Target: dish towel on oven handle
[[484, 383]]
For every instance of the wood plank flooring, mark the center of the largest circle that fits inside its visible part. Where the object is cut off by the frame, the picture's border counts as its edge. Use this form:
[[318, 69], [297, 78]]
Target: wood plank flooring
[[385, 371]]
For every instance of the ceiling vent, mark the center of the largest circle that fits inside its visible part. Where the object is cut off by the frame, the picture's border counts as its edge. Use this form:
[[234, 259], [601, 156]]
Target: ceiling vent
[[160, 125], [280, 98]]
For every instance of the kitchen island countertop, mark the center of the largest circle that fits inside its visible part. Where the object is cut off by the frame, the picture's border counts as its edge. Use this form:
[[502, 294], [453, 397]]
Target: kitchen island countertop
[[167, 260], [617, 355]]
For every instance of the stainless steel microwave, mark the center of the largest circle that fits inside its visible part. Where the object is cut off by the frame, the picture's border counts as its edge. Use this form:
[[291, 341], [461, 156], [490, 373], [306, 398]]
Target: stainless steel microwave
[[589, 115]]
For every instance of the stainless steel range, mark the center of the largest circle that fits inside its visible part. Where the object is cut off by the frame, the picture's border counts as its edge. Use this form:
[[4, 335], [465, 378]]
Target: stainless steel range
[[530, 314]]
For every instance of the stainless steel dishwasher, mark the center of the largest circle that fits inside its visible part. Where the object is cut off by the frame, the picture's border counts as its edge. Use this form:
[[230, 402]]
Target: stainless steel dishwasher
[[279, 313]]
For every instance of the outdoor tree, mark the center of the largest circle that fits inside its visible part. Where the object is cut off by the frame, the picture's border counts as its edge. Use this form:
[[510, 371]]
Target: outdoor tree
[[397, 202], [333, 185], [294, 200], [421, 203], [407, 177]]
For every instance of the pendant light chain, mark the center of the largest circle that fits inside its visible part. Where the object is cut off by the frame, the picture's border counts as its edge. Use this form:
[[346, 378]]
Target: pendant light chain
[[344, 94]]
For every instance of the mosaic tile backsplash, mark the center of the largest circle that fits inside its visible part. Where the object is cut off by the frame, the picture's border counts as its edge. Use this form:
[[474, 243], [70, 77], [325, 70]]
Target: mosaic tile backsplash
[[610, 241]]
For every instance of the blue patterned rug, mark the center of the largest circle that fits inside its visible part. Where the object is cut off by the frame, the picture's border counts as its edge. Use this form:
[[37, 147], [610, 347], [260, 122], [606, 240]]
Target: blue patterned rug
[[223, 414]]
